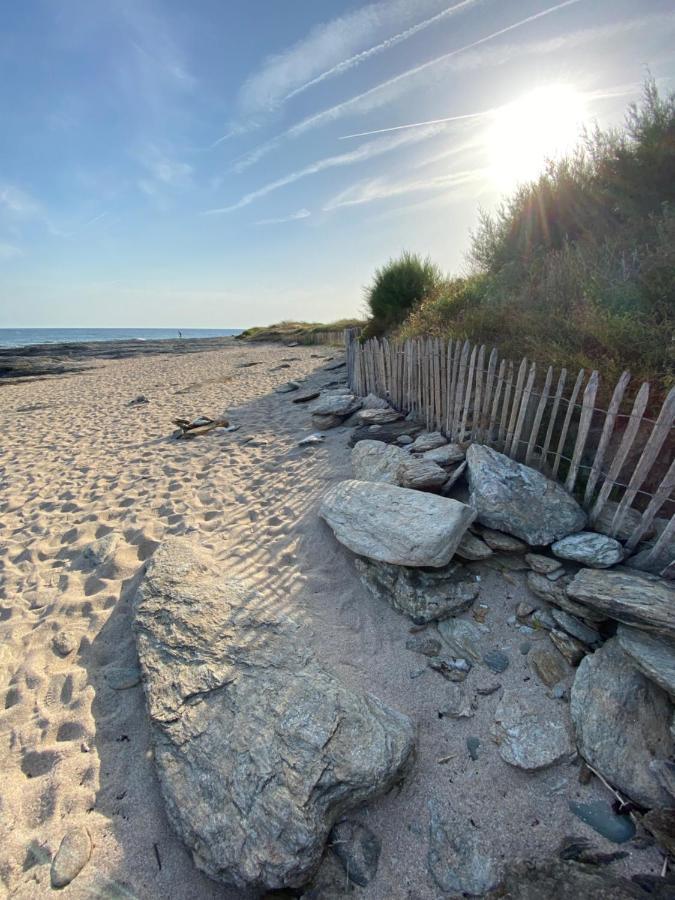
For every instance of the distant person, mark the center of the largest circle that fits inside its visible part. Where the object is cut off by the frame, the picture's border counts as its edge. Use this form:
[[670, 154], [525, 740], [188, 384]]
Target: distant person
[[180, 335]]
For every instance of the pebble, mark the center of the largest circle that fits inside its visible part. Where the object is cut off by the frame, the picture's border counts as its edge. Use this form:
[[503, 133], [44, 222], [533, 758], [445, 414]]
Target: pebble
[[420, 643], [486, 689], [64, 643], [525, 609], [496, 660], [312, 439], [71, 857], [548, 665], [404, 440], [525, 647], [602, 818], [472, 745], [358, 849], [451, 669]]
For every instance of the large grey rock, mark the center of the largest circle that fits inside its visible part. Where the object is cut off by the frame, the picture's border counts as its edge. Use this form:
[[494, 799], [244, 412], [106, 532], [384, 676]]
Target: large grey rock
[[388, 433], [446, 455], [428, 441], [377, 416], [555, 879], [375, 461], [324, 422], [652, 656], [622, 723], [514, 498], [589, 549], [394, 524], [556, 592], [423, 594], [420, 474], [578, 629], [258, 749], [527, 739], [633, 599], [335, 403], [458, 859]]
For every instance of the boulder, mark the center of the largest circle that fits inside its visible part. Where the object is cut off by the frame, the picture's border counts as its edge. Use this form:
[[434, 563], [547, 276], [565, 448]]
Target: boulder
[[514, 498], [446, 455], [420, 474], [525, 738], [395, 525], [388, 433], [377, 416], [258, 749], [589, 549], [458, 859], [555, 879], [428, 441], [630, 598], [622, 723], [335, 403], [653, 657], [655, 565], [426, 595], [375, 461]]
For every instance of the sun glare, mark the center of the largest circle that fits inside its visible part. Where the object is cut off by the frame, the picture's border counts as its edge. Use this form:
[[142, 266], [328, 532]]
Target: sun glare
[[544, 124]]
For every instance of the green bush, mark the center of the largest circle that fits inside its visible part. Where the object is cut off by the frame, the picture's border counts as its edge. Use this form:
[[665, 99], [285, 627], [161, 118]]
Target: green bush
[[396, 289]]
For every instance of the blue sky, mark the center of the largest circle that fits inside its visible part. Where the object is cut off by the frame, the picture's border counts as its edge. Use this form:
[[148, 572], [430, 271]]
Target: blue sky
[[174, 164]]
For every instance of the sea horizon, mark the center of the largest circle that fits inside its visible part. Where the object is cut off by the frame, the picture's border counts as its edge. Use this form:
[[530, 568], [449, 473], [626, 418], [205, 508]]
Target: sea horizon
[[28, 337]]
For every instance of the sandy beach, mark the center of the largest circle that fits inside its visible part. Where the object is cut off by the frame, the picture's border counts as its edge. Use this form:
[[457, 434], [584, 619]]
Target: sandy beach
[[77, 464]]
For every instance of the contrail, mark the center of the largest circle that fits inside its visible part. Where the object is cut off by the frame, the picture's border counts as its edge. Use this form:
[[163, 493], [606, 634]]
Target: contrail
[[477, 115]]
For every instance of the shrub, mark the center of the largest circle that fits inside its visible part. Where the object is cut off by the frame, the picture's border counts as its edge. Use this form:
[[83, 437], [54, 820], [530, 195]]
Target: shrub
[[396, 289]]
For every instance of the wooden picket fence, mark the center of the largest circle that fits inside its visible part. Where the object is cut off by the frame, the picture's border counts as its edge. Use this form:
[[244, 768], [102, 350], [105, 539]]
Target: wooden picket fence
[[322, 337], [546, 420]]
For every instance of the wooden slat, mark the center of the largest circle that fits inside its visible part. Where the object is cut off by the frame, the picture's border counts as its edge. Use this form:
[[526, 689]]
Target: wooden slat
[[663, 492], [624, 447], [538, 416], [443, 381], [438, 424], [567, 420], [607, 431], [515, 408], [587, 407], [459, 392], [665, 539], [448, 387], [508, 385], [487, 396], [467, 393], [657, 438], [478, 400], [520, 421], [554, 415], [495, 400], [457, 354]]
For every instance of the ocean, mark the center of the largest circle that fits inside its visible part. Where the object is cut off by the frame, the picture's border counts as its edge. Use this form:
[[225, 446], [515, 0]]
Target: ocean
[[25, 337]]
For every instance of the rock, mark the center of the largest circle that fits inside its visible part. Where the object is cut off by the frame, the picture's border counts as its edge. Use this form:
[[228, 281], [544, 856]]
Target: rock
[[458, 858], [511, 497], [65, 642], [121, 679], [503, 543], [589, 549], [524, 609], [633, 599], [487, 689], [258, 749], [358, 849], [622, 723], [71, 857], [556, 593], [560, 880], [602, 818], [472, 745], [335, 403], [404, 440], [388, 433], [101, 552], [377, 416], [428, 441], [420, 475], [572, 649], [548, 665], [141, 400], [287, 387], [306, 397], [655, 658], [462, 638], [524, 738], [372, 401], [629, 525], [582, 850], [542, 565], [311, 440], [375, 461], [576, 627], [542, 618], [394, 524], [558, 574], [472, 547], [450, 668], [426, 595], [661, 823], [643, 561], [497, 661], [324, 423], [424, 644], [456, 704], [453, 477], [444, 456]]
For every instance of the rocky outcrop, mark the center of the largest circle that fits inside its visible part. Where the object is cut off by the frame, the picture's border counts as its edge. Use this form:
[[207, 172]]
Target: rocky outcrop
[[653, 657], [426, 595], [258, 749], [514, 498], [595, 550], [630, 598], [622, 723], [395, 525]]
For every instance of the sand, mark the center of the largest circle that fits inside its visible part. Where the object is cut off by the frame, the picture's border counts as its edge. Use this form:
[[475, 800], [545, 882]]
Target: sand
[[76, 464]]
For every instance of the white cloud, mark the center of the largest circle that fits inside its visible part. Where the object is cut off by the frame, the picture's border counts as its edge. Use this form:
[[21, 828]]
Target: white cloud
[[9, 251], [293, 217], [383, 188]]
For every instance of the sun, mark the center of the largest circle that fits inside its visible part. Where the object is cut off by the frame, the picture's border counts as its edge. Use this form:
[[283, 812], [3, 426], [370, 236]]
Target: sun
[[544, 124]]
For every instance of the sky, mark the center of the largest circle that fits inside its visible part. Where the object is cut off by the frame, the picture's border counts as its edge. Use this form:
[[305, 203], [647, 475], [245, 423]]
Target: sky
[[211, 164]]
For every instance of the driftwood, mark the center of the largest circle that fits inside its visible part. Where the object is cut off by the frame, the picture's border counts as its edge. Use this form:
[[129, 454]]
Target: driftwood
[[191, 428]]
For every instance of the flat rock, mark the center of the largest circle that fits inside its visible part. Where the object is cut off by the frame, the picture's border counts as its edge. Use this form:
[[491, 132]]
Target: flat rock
[[453, 477], [502, 543], [622, 723], [555, 592], [602, 818], [358, 849], [324, 423], [568, 646], [335, 403], [71, 857], [121, 678], [420, 474], [561, 880], [396, 525], [633, 599], [287, 388], [458, 857], [473, 548], [527, 739], [549, 665], [426, 595], [377, 416], [518, 500], [101, 552], [447, 455], [375, 461], [428, 441], [306, 397], [645, 562], [542, 565], [311, 440], [576, 627], [589, 549], [388, 433], [258, 749], [653, 657], [456, 703], [372, 401], [661, 823], [425, 644], [497, 661], [462, 638]]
